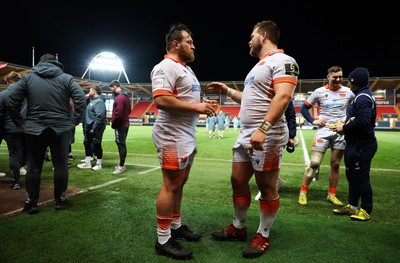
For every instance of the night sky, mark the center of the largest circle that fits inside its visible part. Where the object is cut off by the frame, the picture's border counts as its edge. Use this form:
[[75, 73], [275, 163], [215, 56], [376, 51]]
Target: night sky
[[316, 35]]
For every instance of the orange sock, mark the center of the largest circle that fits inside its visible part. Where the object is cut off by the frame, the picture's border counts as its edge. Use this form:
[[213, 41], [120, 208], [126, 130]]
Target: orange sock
[[332, 191], [304, 188]]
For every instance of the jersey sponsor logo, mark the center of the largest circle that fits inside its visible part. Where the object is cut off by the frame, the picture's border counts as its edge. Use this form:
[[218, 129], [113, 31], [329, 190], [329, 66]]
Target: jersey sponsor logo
[[334, 104], [159, 72], [342, 94], [249, 80], [291, 69], [196, 88], [158, 83]]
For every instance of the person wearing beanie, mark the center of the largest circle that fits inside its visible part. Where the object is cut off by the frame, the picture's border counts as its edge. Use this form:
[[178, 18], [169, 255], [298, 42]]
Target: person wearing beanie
[[95, 124], [361, 146], [332, 100]]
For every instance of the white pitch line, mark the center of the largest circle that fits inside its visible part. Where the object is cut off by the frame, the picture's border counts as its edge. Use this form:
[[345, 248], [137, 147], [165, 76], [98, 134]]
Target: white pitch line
[[149, 170], [153, 168], [305, 152], [106, 184]]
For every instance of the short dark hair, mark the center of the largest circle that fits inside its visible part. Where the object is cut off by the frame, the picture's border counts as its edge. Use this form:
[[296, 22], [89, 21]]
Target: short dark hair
[[271, 28], [48, 57], [114, 83], [97, 89], [334, 69], [175, 33]]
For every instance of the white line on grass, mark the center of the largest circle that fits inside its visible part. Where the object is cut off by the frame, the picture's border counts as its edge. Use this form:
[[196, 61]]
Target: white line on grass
[[305, 152], [107, 184], [153, 168]]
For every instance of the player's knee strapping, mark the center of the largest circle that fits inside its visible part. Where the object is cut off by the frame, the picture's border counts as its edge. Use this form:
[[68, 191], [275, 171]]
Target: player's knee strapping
[[315, 162]]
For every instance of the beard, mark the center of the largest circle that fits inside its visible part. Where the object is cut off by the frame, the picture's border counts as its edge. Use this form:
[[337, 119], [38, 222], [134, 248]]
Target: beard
[[186, 56], [255, 49]]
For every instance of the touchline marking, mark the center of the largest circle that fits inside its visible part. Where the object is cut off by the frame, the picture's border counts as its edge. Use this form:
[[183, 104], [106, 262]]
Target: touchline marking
[[305, 152], [149, 170], [153, 168], [107, 184]]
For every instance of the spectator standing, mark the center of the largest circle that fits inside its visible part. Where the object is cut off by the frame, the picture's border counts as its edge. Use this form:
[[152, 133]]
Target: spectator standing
[[212, 123], [120, 122], [361, 146], [176, 94], [47, 90], [235, 121], [221, 124], [95, 124], [14, 136], [332, 100], [258, 150]]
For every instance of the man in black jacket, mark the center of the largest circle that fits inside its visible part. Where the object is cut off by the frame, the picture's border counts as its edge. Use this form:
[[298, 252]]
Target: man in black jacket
[[95, 124], [361, 146], [48, 123]]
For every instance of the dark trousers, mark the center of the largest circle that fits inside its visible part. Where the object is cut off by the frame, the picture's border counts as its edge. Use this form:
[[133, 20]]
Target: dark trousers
[[121, 133], [92, 143], [36, 146], [357, 158], [16, 154]]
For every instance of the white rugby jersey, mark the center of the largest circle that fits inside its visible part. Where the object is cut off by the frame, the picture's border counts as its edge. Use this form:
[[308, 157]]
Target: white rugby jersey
[[274, 67], [332, 103], [171, 77]]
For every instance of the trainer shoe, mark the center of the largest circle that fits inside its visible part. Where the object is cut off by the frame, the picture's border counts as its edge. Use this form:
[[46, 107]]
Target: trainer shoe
[[361, 215], [22, 171], [173, 249], [84, 160], [97, 167], [84, 166], [60, 205], [302, 199], [230, 233], [256, 247], [71, 158], [345, 210], [15, 186], [334, 200], [2, 174], [119, 169], [30, 209], [183, 232]]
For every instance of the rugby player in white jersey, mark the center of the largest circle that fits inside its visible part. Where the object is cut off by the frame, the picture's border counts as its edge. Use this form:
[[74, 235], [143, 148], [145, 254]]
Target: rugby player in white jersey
[[258, 150], [332, 101], [176, 94]]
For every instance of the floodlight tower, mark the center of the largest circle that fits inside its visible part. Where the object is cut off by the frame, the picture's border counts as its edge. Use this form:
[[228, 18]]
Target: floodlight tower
[[107, 61]]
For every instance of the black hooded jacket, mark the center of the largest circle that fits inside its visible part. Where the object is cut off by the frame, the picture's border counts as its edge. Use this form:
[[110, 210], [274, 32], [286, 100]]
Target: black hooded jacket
[[48, 91]]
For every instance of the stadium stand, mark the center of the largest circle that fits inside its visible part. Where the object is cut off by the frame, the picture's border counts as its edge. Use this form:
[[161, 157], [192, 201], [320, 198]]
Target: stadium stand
[[385, 89], [232, 110], [140, 109]]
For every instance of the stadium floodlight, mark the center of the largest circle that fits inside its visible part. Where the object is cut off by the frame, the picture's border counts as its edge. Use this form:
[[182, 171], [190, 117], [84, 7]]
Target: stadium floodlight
[[107, 62]]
